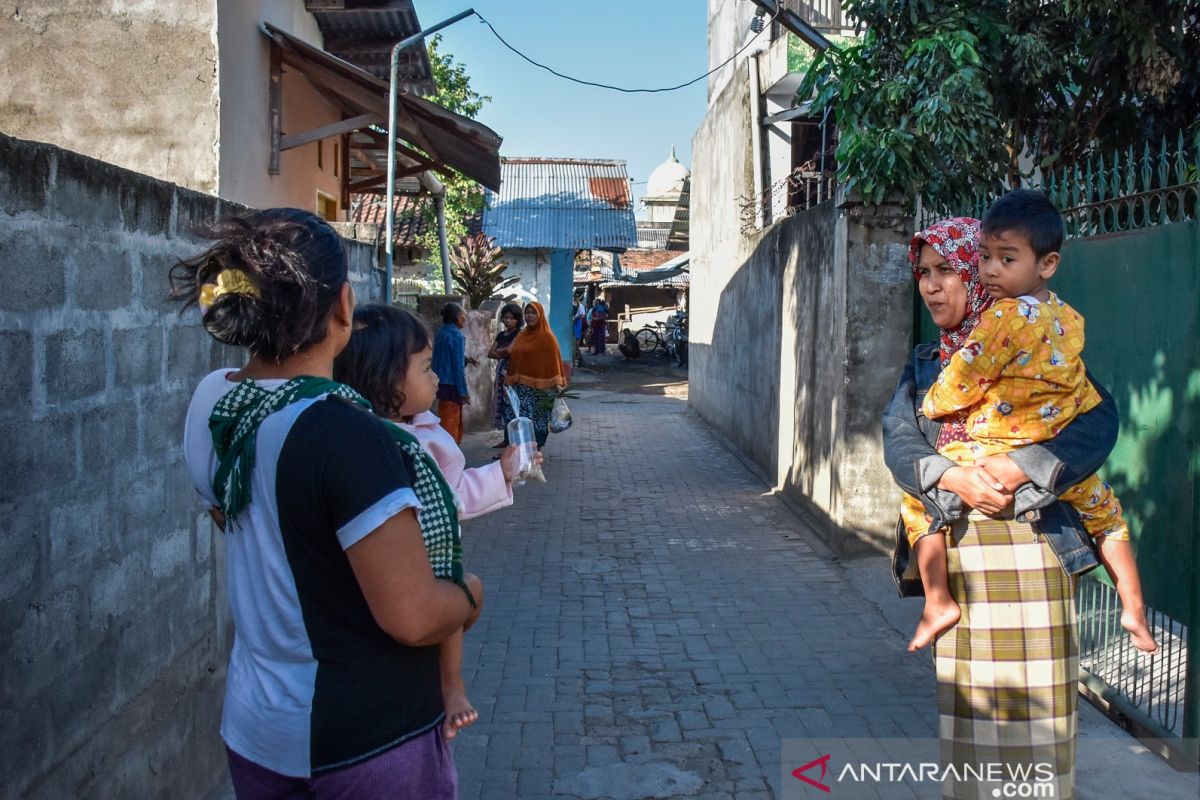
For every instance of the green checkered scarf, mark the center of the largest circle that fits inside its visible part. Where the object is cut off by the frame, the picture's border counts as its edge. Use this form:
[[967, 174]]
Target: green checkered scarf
[[439, 510], [234, 424]]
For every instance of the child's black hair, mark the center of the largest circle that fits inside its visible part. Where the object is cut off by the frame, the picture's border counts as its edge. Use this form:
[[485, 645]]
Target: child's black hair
[[297, 265], [1029, 213], [450, 312], [375, 362], [515, 311]]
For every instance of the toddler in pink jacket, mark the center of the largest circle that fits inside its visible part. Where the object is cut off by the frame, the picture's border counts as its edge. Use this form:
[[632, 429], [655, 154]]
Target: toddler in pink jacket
[[480, 490]]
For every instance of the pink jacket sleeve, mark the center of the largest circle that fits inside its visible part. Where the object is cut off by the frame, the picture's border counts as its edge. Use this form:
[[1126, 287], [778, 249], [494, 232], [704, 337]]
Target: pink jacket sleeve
[[482, 490]]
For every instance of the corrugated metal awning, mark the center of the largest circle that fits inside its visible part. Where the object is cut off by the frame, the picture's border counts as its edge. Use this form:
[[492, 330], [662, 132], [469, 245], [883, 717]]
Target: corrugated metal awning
[[446, 138]]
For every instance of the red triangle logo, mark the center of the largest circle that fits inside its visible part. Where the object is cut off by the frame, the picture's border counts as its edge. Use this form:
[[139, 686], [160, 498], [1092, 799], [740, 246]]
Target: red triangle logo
[[823, 761]]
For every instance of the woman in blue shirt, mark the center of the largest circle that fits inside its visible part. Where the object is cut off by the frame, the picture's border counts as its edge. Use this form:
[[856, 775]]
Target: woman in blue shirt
[[450, 363]]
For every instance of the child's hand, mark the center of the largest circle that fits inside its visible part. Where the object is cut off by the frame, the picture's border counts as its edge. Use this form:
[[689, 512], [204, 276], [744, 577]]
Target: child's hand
[[508, 462]]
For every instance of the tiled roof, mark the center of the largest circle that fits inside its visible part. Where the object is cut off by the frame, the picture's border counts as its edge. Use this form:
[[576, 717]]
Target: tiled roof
[[561, 203], [410, 221], [641, 259]]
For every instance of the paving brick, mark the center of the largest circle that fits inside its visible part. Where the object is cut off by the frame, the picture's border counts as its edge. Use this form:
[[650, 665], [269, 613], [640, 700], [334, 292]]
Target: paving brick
[[670, 623]]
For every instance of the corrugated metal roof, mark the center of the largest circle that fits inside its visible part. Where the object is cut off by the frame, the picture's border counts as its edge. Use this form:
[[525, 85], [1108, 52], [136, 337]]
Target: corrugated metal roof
[[363, 32], [561, 203]]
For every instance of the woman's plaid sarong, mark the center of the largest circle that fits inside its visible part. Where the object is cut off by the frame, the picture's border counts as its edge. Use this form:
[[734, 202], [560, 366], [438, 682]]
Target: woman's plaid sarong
[[1008, 672]]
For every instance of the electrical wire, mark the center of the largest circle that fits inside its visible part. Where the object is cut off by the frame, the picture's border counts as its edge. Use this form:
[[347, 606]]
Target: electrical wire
[[624, 89]]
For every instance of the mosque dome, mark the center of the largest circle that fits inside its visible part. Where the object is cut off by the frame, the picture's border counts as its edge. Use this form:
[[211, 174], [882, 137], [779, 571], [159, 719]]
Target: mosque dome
[[668, 178]]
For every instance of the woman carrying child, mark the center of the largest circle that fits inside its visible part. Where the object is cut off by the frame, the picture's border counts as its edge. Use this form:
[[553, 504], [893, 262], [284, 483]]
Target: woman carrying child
[[388, 361], [1007, 672], [511, 320], [334, 684]]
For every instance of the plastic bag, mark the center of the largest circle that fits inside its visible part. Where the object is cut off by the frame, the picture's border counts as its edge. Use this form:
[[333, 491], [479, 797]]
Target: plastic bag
[[520, 433], [560, 416]]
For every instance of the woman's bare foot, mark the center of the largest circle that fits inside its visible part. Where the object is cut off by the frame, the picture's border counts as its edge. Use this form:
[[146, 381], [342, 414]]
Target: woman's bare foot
[[936, 618], [1139, 631], [459, 712]]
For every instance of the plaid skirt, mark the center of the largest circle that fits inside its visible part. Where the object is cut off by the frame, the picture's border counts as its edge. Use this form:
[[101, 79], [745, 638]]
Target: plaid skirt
[[1008, 672]]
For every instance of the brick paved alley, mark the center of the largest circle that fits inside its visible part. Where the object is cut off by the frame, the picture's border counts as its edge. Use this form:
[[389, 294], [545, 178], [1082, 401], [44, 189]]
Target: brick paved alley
[[655, 623]]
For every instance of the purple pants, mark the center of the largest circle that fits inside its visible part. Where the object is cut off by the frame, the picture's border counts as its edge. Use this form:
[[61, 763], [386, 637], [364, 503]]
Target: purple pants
[[420, 769]]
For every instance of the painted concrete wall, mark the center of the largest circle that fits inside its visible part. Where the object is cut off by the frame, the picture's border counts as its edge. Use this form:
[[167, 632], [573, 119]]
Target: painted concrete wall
[[133, 84], [797, 334], [546, 276], [728, 31], [244, 114], [113, 631]]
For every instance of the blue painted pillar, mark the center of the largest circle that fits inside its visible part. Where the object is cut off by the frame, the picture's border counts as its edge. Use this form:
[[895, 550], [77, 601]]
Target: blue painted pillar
[[561, 307]]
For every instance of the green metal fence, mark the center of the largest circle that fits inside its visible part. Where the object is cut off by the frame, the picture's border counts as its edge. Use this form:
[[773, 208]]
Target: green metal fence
[[1131, 266]]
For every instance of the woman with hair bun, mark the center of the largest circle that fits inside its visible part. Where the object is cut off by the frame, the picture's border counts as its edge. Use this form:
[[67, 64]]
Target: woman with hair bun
[[333, 687]]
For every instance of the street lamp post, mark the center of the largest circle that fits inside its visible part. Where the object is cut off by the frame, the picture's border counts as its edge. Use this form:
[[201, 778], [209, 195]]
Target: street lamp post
[[393, 89]]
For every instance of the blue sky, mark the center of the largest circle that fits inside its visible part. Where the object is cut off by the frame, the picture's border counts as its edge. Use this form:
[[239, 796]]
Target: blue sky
[[641, 43]]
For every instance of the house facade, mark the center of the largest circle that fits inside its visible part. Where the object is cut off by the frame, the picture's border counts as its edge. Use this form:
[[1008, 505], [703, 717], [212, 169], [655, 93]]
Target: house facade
[[546, 210], [259, 102]]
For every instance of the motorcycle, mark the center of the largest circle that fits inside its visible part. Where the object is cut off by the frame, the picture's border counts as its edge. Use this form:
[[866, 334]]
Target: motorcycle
[[677, 339]]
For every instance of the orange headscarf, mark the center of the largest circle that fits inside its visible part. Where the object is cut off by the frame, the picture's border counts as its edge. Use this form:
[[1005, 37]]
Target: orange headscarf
[[536, 360]]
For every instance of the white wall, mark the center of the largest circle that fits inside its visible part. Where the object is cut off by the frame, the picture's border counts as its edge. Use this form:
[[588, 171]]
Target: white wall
[[132, 84]]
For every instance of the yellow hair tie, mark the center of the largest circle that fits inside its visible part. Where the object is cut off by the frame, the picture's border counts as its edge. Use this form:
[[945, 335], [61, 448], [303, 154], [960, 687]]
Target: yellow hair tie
[[229, 281]]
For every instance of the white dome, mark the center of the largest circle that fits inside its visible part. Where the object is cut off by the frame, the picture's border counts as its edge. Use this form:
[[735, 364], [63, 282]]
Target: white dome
[[668, 178]]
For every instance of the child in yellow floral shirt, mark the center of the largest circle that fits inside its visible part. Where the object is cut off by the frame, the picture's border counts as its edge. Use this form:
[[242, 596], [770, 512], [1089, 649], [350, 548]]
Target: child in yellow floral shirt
[[1019, 379]]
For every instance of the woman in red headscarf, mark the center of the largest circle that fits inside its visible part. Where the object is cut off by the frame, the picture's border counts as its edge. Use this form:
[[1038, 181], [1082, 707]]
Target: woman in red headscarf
[[535, 371], [1007, 672]]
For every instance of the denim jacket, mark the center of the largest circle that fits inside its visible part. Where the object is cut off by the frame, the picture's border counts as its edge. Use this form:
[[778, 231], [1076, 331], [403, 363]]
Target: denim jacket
[[1053, 467]]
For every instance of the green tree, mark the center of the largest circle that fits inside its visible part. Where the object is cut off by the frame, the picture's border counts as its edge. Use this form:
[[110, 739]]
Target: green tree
[[464, 197], [944, 99]]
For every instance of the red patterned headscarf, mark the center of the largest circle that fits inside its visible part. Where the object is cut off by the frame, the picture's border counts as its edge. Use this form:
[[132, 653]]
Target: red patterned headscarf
[[956, 240]]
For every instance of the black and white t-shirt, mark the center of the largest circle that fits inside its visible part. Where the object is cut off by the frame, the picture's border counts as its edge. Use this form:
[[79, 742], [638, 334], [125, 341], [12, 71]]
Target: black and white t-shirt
[[314, 683]]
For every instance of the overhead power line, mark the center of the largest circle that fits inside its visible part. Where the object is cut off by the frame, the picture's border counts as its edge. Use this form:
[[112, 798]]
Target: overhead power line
[[625, 89]]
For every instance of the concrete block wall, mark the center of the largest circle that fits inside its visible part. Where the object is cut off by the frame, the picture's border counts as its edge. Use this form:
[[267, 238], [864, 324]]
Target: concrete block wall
[[113, 633], [797, 334]]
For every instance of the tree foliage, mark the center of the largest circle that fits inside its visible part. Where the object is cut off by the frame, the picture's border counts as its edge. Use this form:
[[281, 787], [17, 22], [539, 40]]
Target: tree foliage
[[945, 99], [464, 197], [478, 270]]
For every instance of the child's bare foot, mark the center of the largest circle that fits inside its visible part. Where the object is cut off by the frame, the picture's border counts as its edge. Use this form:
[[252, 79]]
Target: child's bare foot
[[936, 618], [459, 712], [1139, 631]]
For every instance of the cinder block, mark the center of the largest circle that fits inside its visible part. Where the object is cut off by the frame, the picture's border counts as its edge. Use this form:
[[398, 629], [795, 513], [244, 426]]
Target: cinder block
[[137, 353], [38, 455], [170, 552], [19, 551], [16, 390], [113, 587], [75, 535], [34, 274], [43, 641], [162, 417], [85, 191], [188, 354], [103, 277], [110, 442], [146, 205], [155, 273], [75, 365], [194, 211], [24, 175]]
